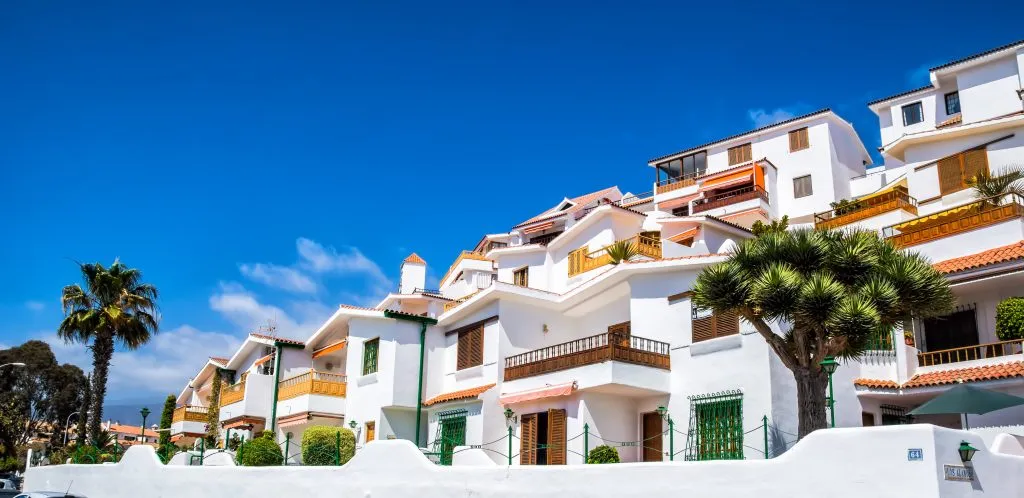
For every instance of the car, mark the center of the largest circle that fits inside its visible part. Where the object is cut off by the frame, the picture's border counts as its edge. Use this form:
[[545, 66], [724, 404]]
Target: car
[[47, 494]]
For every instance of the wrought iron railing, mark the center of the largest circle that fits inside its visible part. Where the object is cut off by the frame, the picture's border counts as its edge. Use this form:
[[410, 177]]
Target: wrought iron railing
[[968, 353], [955, 220], [420, 290], [598, 348], [232, 394], [312, 382], [670, 184], [545, 239], [190, 413], [861, 209], [730, 197]]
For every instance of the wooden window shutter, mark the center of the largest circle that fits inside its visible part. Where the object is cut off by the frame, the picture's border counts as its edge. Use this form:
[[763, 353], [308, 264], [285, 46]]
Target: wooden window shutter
[[974, 162], [703, 329], [739, 154], [463, 350], [715, 325], [798, 140], [950, 177], [528, 439], [476, 346], [556, 436]]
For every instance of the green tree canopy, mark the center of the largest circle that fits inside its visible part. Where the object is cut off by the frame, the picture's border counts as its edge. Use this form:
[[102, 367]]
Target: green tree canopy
[[827, 293]]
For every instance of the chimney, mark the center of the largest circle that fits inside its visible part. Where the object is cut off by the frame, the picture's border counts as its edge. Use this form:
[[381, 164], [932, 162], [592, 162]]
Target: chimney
[[413, 274]]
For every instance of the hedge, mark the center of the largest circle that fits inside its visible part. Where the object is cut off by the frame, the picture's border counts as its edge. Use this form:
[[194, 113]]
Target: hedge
[[603, 454], [319, 445], [1010, 319], [261, 452]]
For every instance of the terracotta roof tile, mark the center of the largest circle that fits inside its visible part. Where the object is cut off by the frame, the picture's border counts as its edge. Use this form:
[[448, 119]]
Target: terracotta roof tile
[[1004, 254], [975, 56], [951, 376], [279, 339], [220, 360], [457, 395], [414, 258], [351, 307], [955, 120], [578, 203]]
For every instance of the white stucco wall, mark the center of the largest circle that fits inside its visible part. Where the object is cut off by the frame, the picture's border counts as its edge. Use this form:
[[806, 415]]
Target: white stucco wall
[[989, 90], [845, 463]]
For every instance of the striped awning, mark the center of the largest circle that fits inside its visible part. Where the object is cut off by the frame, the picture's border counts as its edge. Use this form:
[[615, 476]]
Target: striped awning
[[330, 348], [716, 179], [539, 393], [676, 203], [729, 181], [925, 220], [886, 190], [539, 228]]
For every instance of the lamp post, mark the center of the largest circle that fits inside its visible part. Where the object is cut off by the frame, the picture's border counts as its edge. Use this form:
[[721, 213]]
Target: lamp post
[[66, 428], [663, 412], [353, 424], [830, 365], [145, 413], [510, 421], [966, 451]]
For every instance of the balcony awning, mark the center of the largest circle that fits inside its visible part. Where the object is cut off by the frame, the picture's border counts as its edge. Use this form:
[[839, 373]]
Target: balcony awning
[[539, 228], [330, 348], [243, 421], [264, 359], [686, 234], [729, 181], [886, 190], [926, 220], [676, 203], [539, 393], [716, 179]]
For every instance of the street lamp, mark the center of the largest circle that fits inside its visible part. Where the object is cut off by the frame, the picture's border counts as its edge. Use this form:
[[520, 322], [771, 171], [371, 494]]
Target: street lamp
[[352, 424], [966, 451], [66, 428], [830, 365], [145, 413], [510, 421], [18, 364], [663, 413]]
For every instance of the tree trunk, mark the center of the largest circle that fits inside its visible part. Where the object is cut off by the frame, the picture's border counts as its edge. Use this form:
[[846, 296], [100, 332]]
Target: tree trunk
[[810, 399], [102, 352], [83, 411]]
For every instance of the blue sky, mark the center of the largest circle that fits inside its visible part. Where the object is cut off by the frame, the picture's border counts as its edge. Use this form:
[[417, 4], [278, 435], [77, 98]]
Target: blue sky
[[272, 160]]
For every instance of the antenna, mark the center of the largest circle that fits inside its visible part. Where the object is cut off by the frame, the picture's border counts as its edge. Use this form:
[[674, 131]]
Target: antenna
[[69, 488]]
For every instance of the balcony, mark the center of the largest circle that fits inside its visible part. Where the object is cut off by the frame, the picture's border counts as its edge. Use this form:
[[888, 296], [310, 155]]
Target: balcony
[[956, 220], [189, 413], [188, 422], [310, 394], [868, 207], [312, 382], [728, 198], [601, 348], [670, 184], [970, 353], [582, 260], [233, 393]]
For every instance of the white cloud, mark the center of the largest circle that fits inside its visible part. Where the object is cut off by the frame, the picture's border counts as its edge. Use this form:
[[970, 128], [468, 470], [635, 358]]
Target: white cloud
[[761, 117], [320, 259], [35, 305], [243, 309], [162, 366], [281, 277]]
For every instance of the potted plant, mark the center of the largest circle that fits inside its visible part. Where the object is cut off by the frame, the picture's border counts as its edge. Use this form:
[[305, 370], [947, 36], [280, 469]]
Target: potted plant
[[908, 338]]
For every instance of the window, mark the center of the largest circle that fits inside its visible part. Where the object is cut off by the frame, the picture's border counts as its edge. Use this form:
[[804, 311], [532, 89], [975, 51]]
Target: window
[[267, 367], [689, 166], [895, 415], [956, 171], [371, 431], [912, 114], [802, 186], [370, 349], [955, 330], [716, 427], [798, 140], [952, 103], [470, 347], [521, 277], [681, 210], [706, 325], [451, 432], [739, 154]]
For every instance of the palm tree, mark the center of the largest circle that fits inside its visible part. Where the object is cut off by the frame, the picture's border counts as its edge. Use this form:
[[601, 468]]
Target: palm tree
[[115, 307], [991, 187], [622, 250], [828, 293]]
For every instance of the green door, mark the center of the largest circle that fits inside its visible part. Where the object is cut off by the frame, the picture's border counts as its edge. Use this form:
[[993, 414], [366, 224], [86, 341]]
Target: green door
[[452, 434]]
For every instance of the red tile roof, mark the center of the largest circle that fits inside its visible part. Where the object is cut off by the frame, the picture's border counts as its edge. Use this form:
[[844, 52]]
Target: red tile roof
[[952, 376], [220, 360], [950, 122], [351, 307], [1002, 254], [457, 395], [414, 258], [578, 204], [278, 339]]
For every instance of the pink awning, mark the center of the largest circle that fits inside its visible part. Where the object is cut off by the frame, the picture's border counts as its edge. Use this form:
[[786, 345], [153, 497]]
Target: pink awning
[[539, 393], [676, 203], [539, 228]]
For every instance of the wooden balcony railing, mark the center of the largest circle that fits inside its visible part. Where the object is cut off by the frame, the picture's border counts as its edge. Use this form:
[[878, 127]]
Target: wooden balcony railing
[[581, 260], [862, 209], [955, 220], [968, 353], [609, 346], [670, 184], [730, 197], [312, 382], [189, 413], [232, 394], [451, 304], [473, 255]]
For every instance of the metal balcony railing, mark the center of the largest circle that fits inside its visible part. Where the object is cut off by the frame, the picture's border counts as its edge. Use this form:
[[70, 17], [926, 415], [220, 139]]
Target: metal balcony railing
[[730, 197]]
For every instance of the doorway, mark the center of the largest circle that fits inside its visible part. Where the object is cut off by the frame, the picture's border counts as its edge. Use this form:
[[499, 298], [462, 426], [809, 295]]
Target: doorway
[[543, 438], [956, 330], [652, 437]]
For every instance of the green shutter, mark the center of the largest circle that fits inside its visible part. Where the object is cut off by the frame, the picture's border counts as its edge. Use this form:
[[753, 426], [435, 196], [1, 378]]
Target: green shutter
[[451, 432], [716, 427], [370, 348]]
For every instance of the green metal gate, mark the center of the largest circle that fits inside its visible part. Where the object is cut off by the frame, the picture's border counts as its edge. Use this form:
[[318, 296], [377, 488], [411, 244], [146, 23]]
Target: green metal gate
[[716, 427], [451, 432]]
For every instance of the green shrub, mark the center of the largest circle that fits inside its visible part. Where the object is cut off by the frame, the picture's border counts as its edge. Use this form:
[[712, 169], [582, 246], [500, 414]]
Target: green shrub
[[58, 456], [85, 455], [319, 445], [261, 452], [603, 454], [1010, 319], [10, 464]]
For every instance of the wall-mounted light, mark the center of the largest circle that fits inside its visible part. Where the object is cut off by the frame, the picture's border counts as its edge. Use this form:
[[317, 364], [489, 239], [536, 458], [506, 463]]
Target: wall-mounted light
[[966, 451], [352, 424], [510, 417], [544, 328]]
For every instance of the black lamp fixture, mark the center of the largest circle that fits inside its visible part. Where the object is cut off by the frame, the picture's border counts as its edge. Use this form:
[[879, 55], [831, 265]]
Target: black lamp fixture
[[966, 451], [510, 417], [352, 424], [662, 411]]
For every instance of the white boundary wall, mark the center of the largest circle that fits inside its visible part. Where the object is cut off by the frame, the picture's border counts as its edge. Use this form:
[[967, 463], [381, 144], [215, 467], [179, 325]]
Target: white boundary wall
[[838, 463]]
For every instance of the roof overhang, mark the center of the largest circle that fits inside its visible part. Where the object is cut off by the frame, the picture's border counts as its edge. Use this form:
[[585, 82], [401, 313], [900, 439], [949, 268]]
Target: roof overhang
[[591, 218], [339, 318], [897, 147]]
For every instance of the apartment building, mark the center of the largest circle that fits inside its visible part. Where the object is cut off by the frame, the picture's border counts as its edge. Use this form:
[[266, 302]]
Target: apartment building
[[969, 119]]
